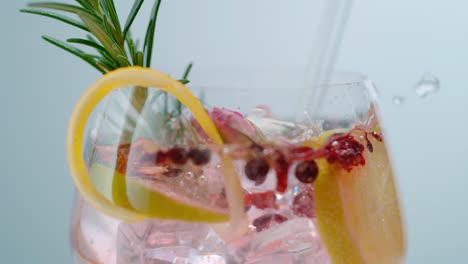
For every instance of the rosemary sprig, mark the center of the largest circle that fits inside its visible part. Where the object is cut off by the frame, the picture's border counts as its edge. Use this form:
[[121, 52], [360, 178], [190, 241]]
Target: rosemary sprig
[[112, 46]]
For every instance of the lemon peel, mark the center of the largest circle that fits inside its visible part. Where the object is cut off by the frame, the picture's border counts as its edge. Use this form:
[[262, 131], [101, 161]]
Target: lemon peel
[[145, 77]]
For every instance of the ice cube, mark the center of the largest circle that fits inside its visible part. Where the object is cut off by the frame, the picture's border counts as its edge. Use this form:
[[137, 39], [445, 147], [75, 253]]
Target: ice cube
[[286, 131], [293, 241], [166, 241]]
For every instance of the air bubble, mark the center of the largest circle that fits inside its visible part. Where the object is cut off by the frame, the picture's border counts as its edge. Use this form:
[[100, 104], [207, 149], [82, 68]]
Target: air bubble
[[398, 100], [428, 84]]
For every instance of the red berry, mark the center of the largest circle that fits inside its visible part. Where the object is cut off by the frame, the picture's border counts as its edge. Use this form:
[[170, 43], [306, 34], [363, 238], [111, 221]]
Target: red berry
[[161, 158], [303, 204], [256, 170], [268, 220], [345, 150], [263, 200], [177, 155], [199, 156], [307, 171]]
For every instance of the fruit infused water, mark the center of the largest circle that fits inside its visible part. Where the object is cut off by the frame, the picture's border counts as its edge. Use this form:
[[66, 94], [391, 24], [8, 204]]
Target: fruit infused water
[[277, 189]]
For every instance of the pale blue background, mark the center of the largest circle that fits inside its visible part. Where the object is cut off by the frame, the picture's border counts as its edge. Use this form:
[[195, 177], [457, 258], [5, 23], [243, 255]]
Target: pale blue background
[[394, 42]]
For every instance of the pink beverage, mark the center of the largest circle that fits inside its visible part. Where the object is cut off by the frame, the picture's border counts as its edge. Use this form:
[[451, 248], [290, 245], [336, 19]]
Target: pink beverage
[[279, 157], [233, 164]]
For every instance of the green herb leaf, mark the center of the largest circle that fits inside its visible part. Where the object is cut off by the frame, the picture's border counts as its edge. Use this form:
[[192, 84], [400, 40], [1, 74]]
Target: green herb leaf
[[109, 65], [109, 7], [96, 29], [64, 7], [139, 58], [187, 71], [104, 54], [149, 39], [59, 17], [123, 61], [112, 32], [85, 4], [86, 42], [75, 51], [131, 49], [178, 105], [131, 17]]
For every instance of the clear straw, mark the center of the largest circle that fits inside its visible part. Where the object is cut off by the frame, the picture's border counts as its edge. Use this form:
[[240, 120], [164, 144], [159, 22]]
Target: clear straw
[[324, 53]]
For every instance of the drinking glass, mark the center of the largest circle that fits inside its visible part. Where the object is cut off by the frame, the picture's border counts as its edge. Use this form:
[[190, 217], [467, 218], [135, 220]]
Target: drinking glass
[[283, 156]]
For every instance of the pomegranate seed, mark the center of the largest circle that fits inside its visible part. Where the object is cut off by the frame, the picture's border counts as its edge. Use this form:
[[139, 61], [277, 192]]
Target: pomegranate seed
[[161, 158], [307, 171], [199, 156], [263, 200], [266, 221], [178, 155], [303, 204], [346, 151], [257, 170]]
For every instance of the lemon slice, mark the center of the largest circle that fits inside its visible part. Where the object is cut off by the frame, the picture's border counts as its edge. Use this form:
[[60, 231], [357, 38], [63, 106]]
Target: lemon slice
[[154, 199], [156, 203], [358, 215]]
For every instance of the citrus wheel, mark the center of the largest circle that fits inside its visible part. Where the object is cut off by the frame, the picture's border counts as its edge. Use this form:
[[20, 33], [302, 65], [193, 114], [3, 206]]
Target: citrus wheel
[[157, 204]]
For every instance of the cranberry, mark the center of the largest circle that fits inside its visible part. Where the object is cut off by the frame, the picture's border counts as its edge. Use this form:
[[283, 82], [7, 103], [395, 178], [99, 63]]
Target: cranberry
[[303, 204], [177, 155], [256, 170], [199, 156], [268, 220], [307, 171]]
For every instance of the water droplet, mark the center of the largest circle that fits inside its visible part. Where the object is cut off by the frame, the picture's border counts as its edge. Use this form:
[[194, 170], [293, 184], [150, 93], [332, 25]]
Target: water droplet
[[218, 166], [226, 150], [296, 190], [398, 100], [202, 179], [189, 175], [427, 85]]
